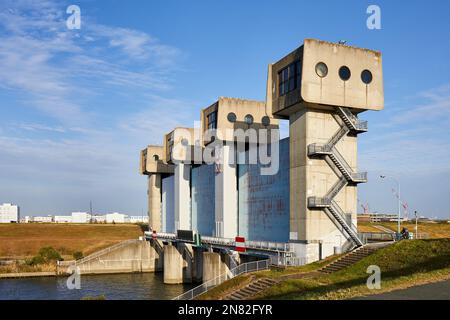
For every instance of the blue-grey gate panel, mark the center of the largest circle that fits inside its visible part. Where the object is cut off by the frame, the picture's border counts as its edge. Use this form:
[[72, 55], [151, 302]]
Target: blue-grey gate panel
[[203, 186], [168, 204], [264, 200]]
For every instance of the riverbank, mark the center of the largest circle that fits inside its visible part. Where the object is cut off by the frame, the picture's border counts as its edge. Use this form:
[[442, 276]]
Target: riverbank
[[26, 275], [403, 264], [22, 241]]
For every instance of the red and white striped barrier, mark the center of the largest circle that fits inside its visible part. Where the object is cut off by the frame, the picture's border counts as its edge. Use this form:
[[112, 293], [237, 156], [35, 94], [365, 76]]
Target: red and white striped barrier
[[240, 244]]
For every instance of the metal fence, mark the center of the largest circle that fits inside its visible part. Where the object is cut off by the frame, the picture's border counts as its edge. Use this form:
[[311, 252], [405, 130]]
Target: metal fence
[[106, 250], [384, 236], [287, 261], [208, 285]]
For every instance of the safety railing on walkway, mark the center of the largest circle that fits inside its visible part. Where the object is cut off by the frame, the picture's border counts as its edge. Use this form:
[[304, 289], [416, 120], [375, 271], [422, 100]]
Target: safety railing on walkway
[[106, 250], [208, 285], [287, 261], [260, 245]]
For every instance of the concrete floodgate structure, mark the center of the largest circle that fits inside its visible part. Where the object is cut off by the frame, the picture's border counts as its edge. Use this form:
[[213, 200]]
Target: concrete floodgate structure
[[296, 208]]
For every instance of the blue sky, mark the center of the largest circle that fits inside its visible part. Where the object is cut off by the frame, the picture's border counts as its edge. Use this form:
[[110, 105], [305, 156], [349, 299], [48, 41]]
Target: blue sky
[[78, 105]]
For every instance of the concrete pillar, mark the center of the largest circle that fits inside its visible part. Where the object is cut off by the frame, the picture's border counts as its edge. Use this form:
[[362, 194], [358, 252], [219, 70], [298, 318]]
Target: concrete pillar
[[197, 274], [187, 253], [226, 205], [213, 266], [159, 254], [173, 265], [154, 201], [182, 197], [314, 177]]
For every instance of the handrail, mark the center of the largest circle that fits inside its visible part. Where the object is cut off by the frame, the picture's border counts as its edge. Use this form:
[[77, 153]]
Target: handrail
[[337, 187], [338, 209], [208, 285], [356, 123], [266, 245], [106, 250], [354, 175], [337, 136]]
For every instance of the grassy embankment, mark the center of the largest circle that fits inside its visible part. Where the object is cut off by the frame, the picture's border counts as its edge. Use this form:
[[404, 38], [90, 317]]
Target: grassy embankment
[[23, 241], [434, 230], [404, 264]]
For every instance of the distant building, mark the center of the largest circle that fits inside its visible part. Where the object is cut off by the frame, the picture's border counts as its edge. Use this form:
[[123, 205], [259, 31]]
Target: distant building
[[81, 217], [379, 217], [98, 219], [116, 218], [26, 219], [9, 213], [42, 219], [138, 219], [63, 219]]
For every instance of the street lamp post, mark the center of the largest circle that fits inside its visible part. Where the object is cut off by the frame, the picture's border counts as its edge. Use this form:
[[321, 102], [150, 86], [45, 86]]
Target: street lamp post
[[399, 201]]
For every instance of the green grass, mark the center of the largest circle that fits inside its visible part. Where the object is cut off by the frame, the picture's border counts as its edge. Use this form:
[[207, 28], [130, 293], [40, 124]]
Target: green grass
[[403, 264], [274, 273]]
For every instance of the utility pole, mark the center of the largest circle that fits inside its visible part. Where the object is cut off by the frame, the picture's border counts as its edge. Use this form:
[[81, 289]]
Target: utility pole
[[416, 229]]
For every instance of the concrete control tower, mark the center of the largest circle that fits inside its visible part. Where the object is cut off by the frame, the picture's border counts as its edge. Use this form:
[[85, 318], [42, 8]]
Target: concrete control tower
[[321, 88]]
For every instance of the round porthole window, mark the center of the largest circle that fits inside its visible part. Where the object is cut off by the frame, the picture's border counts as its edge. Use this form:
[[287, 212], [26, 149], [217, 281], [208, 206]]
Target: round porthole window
[[321, 69], [248, 119], [156, 157], [265, 121], [184, 142], [231, 117], [344, 73], [366, 76]]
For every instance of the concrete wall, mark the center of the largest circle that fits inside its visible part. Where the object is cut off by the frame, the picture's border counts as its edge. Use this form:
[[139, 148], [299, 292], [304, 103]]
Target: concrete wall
[[168, 205], [213, 265], [226, 201], [182, 196], [203, 199], [154, 201], [264, 200], [173, 265], [138, 256], [314, 177]]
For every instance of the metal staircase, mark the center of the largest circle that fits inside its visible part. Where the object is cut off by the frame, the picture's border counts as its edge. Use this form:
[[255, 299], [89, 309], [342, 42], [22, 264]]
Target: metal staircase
[[349, 124]]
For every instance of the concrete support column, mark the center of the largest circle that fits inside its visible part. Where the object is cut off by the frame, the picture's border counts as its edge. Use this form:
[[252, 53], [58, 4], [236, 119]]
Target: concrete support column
[[197, 274], [187, 252], [182, 197], [213, 266], [226, 205], [159, 254], [314, 176], [173, 265], [154, 201]]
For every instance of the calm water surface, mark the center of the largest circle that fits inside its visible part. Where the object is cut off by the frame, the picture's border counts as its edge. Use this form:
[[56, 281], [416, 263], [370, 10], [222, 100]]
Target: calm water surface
[[141, 286]]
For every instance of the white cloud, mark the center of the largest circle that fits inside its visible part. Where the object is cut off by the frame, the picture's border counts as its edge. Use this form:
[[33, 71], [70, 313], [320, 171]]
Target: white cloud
[[60, 74], [411, 141]]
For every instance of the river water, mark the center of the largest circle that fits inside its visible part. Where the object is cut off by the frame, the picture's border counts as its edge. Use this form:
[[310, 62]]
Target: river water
[[138, 286]]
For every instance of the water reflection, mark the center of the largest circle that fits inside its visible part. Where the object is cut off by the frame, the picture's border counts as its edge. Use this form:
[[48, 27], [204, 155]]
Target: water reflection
[[140, 286]]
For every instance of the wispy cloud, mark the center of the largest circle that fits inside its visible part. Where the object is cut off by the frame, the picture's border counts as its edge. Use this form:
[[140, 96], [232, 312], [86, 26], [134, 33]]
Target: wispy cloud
[[414, 140], [74, 149], [40, 57]]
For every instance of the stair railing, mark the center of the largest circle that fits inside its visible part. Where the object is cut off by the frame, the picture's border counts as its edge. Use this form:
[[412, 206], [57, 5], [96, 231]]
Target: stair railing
[[208, 285]]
